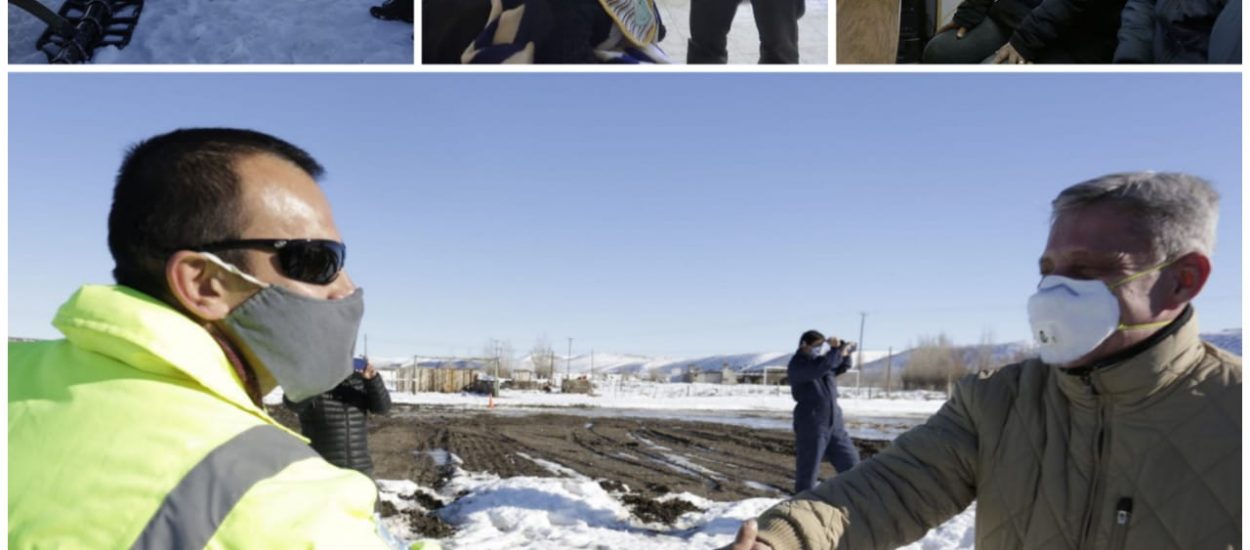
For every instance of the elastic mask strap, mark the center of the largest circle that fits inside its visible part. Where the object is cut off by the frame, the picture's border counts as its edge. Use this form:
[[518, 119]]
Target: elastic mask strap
[[228, 267], [1138, 275], [1141, 274]]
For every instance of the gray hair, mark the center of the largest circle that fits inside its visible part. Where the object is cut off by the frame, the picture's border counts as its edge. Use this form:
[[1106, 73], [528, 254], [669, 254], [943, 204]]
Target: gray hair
[[1178, 211]]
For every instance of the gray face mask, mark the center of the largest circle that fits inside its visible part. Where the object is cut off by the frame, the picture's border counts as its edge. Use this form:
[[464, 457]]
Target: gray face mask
[[305, 343]]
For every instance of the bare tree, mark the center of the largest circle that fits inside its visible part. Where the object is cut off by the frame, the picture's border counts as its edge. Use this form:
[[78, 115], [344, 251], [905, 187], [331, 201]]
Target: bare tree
[[983, 358], [543, 357], [499, 355], [934, 363]]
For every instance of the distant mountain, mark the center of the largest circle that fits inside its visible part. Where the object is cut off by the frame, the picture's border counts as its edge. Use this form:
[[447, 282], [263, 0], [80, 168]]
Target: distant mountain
[[674, 367], [999, 354], [1227, 339]]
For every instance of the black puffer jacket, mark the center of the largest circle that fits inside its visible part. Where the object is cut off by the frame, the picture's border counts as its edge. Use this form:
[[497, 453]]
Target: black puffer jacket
[[337, 421], [1084, 31]]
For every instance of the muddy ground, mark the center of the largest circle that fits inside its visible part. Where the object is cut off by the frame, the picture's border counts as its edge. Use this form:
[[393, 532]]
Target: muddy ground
[[650, 457]]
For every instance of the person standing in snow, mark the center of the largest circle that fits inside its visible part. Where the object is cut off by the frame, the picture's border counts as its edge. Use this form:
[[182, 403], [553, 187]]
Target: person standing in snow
[[819, 431], [1124, 433], [337, 421], [776, 21], [144, 426]]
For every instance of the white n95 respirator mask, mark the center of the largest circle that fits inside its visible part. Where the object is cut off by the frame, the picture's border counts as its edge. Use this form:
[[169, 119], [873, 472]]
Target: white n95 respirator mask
[[1070, 317]]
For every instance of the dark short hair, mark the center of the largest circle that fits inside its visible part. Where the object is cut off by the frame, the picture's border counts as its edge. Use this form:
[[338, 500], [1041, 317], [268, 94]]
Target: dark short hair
[[181, 189], [811, 337]]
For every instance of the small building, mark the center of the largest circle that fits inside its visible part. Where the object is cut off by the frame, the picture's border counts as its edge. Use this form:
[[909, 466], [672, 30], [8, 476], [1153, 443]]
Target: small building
[[577, 385], [415, 378], [523, 379]]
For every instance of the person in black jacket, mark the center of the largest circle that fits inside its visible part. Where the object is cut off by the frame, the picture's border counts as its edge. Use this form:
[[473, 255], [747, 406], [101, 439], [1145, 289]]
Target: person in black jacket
[[336, 421], [1180, 31], [1028, 31], [819, 432]]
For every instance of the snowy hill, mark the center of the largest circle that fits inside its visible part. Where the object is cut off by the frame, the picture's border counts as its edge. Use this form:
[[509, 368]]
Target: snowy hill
[[240, 31], [999, 355], [673, 367], [1227, 339]]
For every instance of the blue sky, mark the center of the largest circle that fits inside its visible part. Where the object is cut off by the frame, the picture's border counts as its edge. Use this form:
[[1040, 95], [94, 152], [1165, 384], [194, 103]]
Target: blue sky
[[656, 214]]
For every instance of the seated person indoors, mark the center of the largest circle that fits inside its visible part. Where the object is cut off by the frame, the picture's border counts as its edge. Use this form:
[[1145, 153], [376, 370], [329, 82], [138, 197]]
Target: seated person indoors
[[1028, 31]]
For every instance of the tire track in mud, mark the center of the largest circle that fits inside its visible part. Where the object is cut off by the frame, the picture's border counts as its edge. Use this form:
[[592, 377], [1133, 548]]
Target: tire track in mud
[[651, 456]]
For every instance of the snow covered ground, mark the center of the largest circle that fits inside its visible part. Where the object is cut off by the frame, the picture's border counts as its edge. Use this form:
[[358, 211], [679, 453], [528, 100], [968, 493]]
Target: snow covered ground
[[573, 511], [686, 397], [576, 512], [241, 31]]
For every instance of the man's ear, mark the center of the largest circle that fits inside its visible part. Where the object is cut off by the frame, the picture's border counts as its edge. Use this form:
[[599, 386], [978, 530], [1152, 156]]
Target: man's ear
[[196, 284], [1191, 273]]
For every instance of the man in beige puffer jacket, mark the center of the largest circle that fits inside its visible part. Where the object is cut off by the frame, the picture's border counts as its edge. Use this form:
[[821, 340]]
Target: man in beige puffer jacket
[[1126, 433]]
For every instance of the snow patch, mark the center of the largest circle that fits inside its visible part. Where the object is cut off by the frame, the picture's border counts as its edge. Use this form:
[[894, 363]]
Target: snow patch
[[553, 467]]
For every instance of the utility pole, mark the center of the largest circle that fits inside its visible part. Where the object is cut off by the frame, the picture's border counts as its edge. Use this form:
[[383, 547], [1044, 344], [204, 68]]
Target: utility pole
[[889, 363], [568, 362], [496, 342], [859, 358]]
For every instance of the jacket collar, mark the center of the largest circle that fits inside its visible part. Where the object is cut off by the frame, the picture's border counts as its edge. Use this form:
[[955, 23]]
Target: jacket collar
[[146, 334], [1144, 369]]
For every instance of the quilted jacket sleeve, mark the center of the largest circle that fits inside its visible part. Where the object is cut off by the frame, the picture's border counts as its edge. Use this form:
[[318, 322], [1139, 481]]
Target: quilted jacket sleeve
[[378, 399], [924, 478]]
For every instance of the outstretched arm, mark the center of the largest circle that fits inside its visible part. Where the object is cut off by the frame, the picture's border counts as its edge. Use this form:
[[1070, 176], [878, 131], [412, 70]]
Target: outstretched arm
[[925, 477]]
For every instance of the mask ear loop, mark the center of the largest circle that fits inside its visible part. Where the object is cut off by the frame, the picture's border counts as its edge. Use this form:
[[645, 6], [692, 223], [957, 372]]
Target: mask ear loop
[[1143, 273], [1138, 275], [232, 269]]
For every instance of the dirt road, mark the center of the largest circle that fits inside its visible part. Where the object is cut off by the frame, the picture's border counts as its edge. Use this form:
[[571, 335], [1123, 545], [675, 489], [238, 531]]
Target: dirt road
[[651, 457]]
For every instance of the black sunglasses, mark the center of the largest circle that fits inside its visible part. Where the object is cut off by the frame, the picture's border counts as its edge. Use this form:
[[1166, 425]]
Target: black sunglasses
[[315, 261]]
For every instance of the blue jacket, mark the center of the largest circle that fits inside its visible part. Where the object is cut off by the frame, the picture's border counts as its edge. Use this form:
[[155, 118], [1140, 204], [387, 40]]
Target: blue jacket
[[814, 386]]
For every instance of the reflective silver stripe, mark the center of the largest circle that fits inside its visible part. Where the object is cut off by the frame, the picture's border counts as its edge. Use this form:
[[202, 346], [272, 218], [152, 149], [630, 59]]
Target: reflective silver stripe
[[194, 509]]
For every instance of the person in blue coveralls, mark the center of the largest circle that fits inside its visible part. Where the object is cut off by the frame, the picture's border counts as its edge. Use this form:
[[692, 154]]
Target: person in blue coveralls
[[819, 432]]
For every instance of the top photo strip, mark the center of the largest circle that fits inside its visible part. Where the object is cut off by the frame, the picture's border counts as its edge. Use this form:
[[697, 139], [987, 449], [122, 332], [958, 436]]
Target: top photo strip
[[381, 32]]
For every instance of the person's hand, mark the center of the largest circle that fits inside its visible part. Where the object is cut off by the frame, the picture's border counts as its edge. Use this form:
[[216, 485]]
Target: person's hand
[[848, 348], [746, 538], [369, 371], [960, 32], [834, 342], [1007, 55]]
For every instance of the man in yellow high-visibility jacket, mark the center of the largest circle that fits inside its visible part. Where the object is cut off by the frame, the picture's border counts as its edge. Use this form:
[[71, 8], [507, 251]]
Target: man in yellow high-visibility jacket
[[143, 427]]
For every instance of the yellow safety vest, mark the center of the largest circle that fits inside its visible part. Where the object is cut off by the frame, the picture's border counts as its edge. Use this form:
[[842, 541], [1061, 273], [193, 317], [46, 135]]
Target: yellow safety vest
[[135, 432]]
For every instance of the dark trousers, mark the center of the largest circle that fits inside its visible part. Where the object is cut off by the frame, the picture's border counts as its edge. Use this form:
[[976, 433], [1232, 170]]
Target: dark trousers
[[814, 445], [776, 20], [982, 41]]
